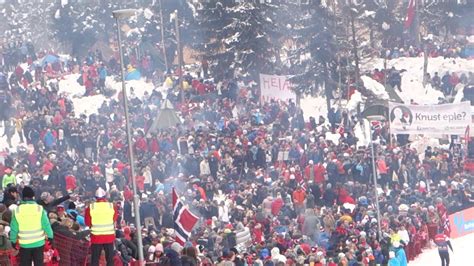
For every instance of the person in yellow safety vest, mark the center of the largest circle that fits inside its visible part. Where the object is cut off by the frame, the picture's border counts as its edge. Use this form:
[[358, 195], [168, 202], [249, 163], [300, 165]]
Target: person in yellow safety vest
[[101, 216], [30, 226]]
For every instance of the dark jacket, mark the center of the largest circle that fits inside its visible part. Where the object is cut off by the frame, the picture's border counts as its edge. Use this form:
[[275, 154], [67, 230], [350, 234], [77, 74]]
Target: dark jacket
[[50, 207], [148, 209], [173, 256]]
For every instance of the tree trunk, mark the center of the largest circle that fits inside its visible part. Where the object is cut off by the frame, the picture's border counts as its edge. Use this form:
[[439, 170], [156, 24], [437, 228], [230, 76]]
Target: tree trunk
[[354, 46], [425, 64], [327, 90]]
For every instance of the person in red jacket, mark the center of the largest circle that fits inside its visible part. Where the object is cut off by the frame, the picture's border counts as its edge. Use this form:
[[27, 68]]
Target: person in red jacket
[[315, 172], [101, 216], [277, 204], [70, 183]]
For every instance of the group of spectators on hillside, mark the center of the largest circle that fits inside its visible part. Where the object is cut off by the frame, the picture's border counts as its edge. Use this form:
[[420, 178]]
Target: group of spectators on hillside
[[456, 47], [270, 187]]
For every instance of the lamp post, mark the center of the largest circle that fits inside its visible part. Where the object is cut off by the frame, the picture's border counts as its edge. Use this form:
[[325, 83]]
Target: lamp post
[[123, 14], [162, 26], [374, 173], [180, 54]]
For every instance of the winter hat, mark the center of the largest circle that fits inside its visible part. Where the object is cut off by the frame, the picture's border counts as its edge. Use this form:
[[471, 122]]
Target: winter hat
[[176, 247], [71, 206], [264, 253], [159, 248], [305, 248], [28, 192], [44, 195], [100, 193], [151, 249]]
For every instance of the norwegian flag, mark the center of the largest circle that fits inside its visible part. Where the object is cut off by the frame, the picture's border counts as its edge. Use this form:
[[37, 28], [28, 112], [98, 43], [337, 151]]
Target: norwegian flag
[[302, 183], [184, 220], [446, 224]]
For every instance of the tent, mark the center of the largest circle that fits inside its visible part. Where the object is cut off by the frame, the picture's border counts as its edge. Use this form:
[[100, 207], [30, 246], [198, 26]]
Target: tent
[[165, 119], [49, 59], [133, 74], [376, 109]]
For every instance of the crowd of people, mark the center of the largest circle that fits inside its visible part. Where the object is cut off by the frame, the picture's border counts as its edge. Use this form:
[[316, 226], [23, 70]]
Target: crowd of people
[[450, 83], [269, 187], [455, 47]]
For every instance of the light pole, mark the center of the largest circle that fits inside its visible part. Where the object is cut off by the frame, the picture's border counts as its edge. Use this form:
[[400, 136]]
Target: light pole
[[123, 14], [180, 54], [163, 36], [374, 173]]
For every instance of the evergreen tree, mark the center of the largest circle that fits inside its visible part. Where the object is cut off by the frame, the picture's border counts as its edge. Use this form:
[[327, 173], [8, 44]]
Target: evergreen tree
[[81, 24], [314, 60], [237, 37]]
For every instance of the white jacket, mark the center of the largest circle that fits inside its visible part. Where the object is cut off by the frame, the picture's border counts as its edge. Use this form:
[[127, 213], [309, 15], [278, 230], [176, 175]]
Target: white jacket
[[204, 168]]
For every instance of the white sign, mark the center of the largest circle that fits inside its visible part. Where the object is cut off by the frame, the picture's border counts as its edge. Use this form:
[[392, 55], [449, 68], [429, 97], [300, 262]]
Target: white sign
[[452, 119], [276, 88]]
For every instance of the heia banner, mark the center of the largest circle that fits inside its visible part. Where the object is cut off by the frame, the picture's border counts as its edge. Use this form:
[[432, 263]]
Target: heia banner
[[275, 87], [452, 119]]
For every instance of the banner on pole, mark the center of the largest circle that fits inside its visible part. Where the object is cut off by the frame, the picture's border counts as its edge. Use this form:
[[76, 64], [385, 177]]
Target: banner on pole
[[276, 88], [451, 119]]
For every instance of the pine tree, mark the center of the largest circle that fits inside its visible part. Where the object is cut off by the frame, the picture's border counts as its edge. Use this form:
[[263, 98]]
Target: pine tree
[[237, 37], [314, 60]]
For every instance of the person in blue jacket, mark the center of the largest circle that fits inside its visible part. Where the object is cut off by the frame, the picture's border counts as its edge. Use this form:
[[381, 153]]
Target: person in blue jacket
[[71, 211], [393, 261], [400, 254]]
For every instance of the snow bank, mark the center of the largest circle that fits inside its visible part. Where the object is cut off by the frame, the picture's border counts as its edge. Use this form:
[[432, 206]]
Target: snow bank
[[314, 106], [70, 86], [88, 105], [139, 86], [374, 86], [355, 100], [15, 141], [412, 78]]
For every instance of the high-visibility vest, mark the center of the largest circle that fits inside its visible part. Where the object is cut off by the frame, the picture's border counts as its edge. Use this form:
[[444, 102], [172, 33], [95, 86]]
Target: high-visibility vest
[[102, 218], [30, 229]]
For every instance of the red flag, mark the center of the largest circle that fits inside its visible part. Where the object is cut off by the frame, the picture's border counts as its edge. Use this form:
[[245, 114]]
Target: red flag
[[410, 14], [184, 220]]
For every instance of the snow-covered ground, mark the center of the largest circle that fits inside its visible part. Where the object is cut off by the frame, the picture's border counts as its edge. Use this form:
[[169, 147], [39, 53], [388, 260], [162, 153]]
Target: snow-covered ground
[[412, 79], [462, 255], [314, 106], [90, 104]]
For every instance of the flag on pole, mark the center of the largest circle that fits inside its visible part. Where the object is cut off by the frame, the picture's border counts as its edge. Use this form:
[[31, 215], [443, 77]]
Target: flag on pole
[[410, 14], [184, 220]]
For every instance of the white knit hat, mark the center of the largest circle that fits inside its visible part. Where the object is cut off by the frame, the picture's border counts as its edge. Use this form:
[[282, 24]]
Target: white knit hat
[[100, 193]]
